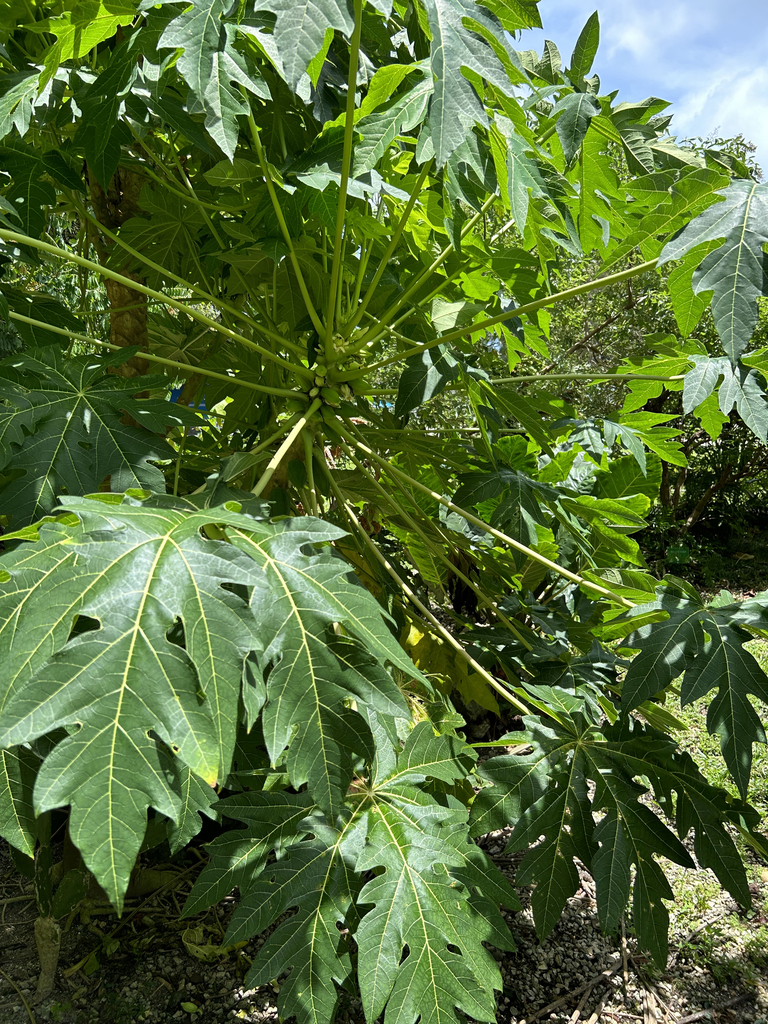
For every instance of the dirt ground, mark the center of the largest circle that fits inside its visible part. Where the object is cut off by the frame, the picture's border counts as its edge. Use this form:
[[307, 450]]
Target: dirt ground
[[152, 967]]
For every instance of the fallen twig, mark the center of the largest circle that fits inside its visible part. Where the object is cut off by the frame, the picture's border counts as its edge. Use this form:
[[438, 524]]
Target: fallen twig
[[701, 1014], [596, 1015], [586, 987], [582, 1003], [27, 1007]]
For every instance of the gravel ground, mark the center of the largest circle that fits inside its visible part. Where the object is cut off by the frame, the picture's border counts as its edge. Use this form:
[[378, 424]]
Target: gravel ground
[[143, 968]]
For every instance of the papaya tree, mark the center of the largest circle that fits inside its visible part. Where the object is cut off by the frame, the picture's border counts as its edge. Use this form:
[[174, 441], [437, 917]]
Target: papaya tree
[[311, 224]]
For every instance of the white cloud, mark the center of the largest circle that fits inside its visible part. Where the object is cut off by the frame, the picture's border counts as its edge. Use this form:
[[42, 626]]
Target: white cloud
[[730, 103], [645, 32]]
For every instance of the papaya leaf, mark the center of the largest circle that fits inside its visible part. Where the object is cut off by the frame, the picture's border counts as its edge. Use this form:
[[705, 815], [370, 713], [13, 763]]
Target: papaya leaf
[[18, 768], [687, 305], [700, 382], [419, 903], [136, 572], [455, 106], [441, 908], [424, 376], [30, 197], [237, 857], [83, 26], [210, 65], [584, 51], [380, 127], [546, 790], [17, 97], [299, 33], [705, 646], [312, 677], [69, 435], [624, 477], [744, 389], [575, 111], [317, 879], [599, 198], [196, 799], [735, 271]]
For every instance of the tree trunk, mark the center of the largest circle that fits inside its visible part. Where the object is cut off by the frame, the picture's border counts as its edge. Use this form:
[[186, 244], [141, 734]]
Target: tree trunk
[[664, 496], [128, 308], [706, 497]]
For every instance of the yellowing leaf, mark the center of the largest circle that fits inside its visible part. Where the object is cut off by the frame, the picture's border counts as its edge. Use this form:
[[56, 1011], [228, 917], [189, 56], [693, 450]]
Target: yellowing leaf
[[196, 945], [434, 656]]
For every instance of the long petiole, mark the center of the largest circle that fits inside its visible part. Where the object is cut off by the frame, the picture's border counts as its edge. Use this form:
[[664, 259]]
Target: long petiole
[[160, 360], [280, 432], [510, 381], [282, 451], [422, 609], [437, 550], [346, 167], [522, 548], [530, 307], [167, 300], [352, 324], [202, 294], [362, 268], [308, 446], [584, 376], [262, 158], [435, 265]]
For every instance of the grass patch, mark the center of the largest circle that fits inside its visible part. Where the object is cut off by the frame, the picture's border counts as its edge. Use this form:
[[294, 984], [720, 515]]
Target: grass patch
[[705, 749]]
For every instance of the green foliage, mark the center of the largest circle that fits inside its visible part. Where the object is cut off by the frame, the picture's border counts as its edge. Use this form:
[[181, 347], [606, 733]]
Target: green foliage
[[437, 894], [707, 645], [734, 271], [63, 433], [332, 231], [547, 792]]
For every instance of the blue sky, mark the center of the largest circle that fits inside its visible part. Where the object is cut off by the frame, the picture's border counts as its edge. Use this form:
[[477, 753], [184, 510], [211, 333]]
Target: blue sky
[[708, 57]]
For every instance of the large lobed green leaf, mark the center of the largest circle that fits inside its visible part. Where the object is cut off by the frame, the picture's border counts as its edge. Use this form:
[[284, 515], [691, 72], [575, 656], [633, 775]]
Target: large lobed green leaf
[[213, 68], [62, 430], [437, 896], [706, 646], [733, 272], [133, 631], [120, 688], [609, 827]]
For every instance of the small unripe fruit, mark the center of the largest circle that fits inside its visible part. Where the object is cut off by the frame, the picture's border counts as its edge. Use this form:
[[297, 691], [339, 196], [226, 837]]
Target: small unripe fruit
[[330, 396], [314, 392]]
